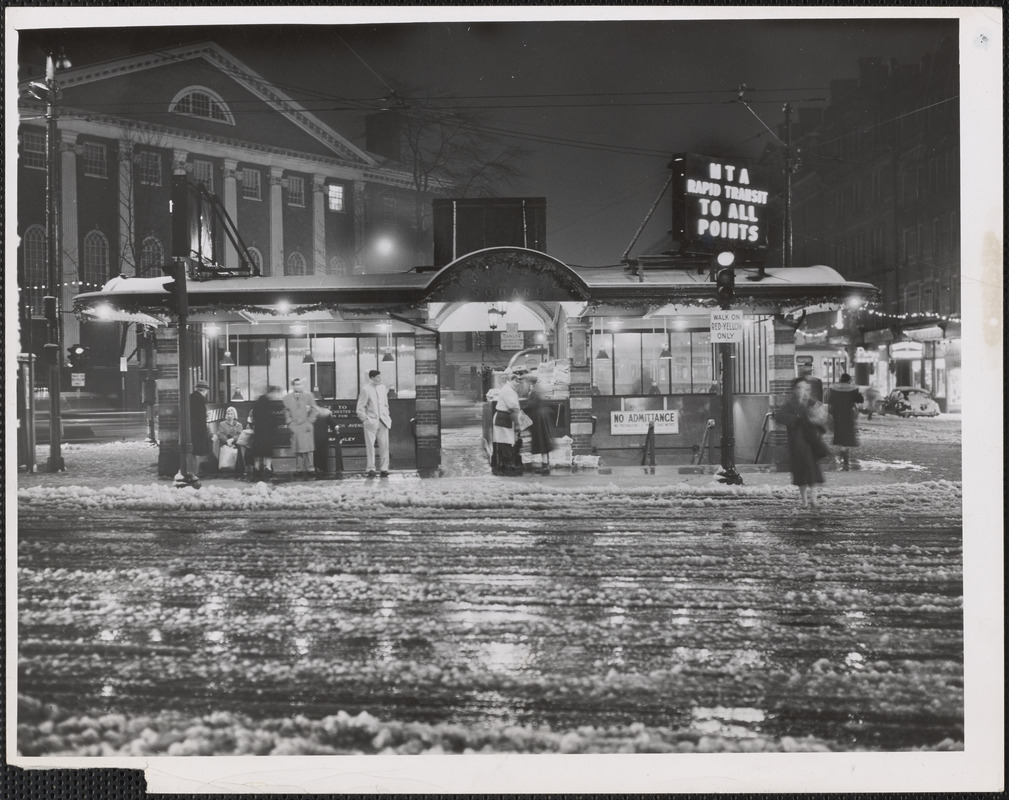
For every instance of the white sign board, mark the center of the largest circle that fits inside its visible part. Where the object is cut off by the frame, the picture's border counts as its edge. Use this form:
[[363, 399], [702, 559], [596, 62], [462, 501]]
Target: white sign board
[[76, 378], [512, 341], [627, 423], [726, 326]]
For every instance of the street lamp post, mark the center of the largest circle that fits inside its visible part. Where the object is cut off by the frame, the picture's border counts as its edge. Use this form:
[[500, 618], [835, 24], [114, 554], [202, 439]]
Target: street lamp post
[[50, 90]]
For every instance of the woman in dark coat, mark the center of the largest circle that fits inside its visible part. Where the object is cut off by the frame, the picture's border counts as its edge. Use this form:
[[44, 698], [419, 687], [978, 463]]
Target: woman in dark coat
[[805, 446], [268, 420], [843, 401], [540, 433]]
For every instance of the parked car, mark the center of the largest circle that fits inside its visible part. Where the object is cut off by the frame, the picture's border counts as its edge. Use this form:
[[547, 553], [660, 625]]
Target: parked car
[[911, 401]]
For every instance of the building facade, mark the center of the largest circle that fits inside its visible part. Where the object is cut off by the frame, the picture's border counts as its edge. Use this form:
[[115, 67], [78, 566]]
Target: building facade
[[305, 199], [876, 195]]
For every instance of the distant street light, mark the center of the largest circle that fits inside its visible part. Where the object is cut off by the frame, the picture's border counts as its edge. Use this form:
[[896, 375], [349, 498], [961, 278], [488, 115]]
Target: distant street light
[[49, 91]]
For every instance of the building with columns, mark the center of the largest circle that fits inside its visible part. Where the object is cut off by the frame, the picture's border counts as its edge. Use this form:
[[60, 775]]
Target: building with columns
[[304, 198]]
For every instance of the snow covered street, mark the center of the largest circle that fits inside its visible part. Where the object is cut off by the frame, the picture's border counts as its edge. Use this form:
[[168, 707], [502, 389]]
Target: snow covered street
[[579, 613]]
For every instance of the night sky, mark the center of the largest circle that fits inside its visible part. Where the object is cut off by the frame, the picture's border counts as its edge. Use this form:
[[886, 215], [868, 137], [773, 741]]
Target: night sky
[[600, 105]]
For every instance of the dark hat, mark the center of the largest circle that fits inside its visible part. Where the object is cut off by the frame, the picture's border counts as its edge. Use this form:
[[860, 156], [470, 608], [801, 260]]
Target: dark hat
[[202, 385]]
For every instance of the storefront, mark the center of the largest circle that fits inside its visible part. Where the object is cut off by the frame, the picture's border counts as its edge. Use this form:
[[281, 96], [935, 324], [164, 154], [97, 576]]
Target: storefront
[[616, 342]]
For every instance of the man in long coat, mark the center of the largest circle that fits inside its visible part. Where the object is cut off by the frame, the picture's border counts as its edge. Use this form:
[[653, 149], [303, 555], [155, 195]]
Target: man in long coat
[[842, 400], [198, 431], [301, 413]]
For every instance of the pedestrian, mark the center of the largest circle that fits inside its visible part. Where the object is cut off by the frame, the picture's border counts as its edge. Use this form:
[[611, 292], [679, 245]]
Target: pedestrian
[[540, 432], [301, 413], [815, 384], [505, 419], [199, 432], [871, 401], [268, 419], [229, 455], [373, 411], [803, 417], [842, 400]]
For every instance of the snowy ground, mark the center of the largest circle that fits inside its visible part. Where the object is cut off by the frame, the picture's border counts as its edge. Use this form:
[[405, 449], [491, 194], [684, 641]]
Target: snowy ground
[[628, 612]]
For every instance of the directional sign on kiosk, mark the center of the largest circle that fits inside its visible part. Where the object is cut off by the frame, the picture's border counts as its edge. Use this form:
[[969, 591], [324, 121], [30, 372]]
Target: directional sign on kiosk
[[726, 326]]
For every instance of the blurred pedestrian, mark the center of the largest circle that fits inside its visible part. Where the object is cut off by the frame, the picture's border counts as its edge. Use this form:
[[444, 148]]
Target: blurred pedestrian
[[199, 432], [505, 419], [815, 384], [803, 418], [301, 413], [842, 401], [540, 432], [268, 419], [226, 442], [871, 401], [325, 426], [373, 411]]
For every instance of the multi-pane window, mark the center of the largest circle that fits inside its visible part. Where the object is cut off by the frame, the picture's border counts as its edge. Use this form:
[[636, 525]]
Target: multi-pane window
[[295, 264], [334, 197], [33, 149], [33, 245], [96, 163], [94, 269], [149, 168], [295, 191], [633, 364], [152, 256], [257, 259], [338, 266], [203, 173], [252, 186], [202, 103]]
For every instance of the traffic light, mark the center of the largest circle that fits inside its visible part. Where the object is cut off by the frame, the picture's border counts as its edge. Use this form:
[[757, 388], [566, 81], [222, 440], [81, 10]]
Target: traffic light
[[176, 287], [77, 356], [725, 282]]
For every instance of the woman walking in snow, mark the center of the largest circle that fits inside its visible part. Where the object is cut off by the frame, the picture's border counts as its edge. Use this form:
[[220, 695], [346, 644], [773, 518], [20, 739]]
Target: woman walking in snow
[[800, 414], [843, 400]]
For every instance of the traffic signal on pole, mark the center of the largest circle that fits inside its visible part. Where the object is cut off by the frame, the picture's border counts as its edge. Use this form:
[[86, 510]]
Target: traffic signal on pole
[[725, 282], [176, 287], [77, 356]]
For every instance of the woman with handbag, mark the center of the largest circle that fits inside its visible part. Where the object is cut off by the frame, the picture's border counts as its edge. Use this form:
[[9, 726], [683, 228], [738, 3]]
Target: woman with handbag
[[226, 442], [804, 418]]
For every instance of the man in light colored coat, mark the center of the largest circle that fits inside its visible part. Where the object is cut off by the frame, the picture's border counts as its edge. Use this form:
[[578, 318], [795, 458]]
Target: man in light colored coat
[[301, 413], [373, 411]]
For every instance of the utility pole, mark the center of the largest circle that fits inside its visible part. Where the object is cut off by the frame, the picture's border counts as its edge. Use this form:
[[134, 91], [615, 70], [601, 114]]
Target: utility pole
[[786, 248], [50, 90]]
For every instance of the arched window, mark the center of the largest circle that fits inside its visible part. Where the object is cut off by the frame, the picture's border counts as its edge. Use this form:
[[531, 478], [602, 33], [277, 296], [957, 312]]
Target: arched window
[[257, 259], [152, 256], [295, 264], [33, 248], [338, 266], [199, 101], [94, 271]]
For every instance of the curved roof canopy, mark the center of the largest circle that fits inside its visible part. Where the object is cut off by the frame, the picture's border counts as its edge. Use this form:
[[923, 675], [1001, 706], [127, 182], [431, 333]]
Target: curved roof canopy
[[491, 275]]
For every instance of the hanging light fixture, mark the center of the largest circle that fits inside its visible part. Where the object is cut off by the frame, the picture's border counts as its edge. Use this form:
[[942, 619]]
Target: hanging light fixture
[[388, 357], [602, 354], [666, 353], [308, 359], [226, 359]]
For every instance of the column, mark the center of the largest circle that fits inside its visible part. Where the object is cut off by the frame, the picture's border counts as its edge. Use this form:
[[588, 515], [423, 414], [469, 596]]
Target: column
[[69, 239], [581, 386], [780, 374], [276, 263], [428, 426], [359, 225], [319, 223], [167, 399], [231, 207]]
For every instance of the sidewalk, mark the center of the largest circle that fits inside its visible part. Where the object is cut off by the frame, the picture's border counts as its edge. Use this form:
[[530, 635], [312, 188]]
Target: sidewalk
[[135, 463]]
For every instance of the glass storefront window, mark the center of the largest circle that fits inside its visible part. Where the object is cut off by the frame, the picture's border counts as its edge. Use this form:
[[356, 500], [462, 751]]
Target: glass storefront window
[[940, 377], [602, 368], [406, 384], [277, 364], [654, 372], [702, 375], [345, 362], [679, 364], [626, 359], [367, 358]]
